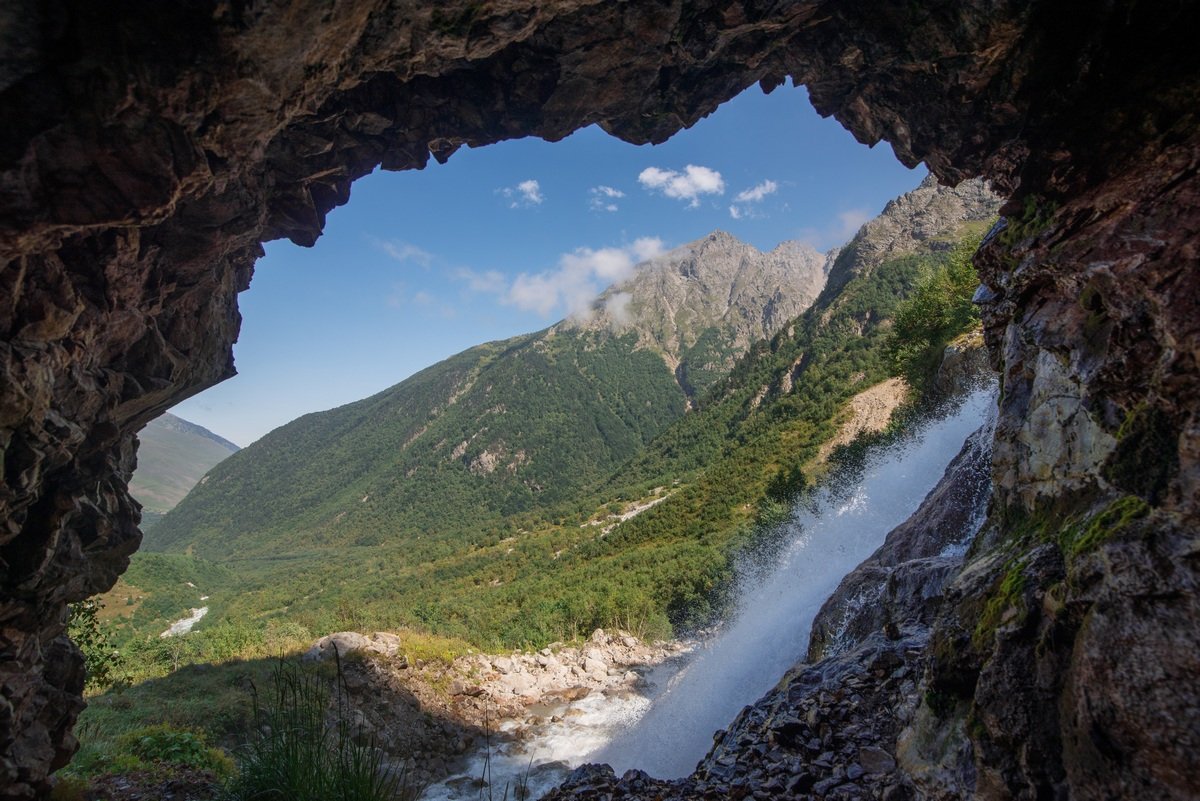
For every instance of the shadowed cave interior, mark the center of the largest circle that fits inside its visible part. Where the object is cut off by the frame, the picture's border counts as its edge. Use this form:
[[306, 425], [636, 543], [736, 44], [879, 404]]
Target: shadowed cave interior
[[151, 148]]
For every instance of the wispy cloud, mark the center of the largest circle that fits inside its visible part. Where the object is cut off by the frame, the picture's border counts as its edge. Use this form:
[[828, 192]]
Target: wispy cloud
[[426, 301], [488, 281], [618, 308], [524, 195], [604, 198], [756, 193], [688, 185], [405, 252], [744, 200], [573, 284]]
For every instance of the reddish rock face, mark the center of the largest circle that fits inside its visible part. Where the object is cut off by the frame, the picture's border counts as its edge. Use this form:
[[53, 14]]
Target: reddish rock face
[[150, 148]]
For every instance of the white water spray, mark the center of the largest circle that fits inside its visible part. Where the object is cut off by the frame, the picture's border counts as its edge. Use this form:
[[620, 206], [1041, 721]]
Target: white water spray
[[770, 629]]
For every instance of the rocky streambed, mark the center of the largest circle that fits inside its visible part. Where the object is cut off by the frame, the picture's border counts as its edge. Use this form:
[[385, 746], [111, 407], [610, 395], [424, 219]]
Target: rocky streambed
[[518, 718]]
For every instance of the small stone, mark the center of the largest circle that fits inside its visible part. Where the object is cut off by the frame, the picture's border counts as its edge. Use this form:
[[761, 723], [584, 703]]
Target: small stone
[[825, 785], [876, 760]]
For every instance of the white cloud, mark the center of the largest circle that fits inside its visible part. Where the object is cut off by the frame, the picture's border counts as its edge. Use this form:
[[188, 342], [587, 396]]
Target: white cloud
[[422, 298], [647, 247], [618, 308], [603, 198], [573, 284], [850, 221], [404, 252], [491, 281], [754, 194], [688, 185], [523, 195]]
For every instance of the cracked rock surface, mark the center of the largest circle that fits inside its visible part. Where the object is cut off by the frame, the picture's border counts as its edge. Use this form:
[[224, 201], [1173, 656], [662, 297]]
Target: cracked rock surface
[[149, 148]]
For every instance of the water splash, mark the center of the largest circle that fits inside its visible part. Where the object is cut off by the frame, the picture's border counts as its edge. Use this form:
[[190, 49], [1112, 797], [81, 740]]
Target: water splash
[[770, 629]]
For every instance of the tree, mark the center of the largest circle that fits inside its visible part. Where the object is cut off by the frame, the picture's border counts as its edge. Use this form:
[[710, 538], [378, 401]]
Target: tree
[[100, 658]]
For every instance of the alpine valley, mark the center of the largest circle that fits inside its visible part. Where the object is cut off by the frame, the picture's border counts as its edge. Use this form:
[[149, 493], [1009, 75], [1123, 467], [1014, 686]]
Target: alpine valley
[[603, 472]]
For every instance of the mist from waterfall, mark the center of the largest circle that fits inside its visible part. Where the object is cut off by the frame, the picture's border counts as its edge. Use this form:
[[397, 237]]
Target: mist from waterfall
[[828, 536]]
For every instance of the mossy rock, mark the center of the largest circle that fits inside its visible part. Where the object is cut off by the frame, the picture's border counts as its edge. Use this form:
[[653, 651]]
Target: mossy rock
[[1146, 456], [1110, 522]]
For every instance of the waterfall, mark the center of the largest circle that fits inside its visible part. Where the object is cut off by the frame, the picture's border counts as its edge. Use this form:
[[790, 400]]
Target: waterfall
[[769, 630], [667, 731]]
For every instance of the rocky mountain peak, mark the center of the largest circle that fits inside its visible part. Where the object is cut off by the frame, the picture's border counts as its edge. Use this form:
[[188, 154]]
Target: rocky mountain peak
[[717, 293], [928, 213]]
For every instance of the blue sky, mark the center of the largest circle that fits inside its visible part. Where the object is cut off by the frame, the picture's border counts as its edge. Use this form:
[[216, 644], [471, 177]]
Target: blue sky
[[507, 239]]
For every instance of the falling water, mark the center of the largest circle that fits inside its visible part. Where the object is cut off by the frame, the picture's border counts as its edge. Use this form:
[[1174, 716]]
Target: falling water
[[668, 732], [769, 631]]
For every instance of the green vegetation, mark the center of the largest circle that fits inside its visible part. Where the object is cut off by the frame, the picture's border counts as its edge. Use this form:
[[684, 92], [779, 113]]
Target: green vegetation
[[370, 516], [938, 310], [1147, 453], [100, 657], [293, 754], [1108, 523], [469, 445], [179, 701], [173, 455], [1006, 596], [159, 745]]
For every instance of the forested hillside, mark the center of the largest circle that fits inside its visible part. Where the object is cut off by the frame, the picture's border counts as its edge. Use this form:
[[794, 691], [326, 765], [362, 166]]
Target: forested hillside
[[505, 429], [173, 456]]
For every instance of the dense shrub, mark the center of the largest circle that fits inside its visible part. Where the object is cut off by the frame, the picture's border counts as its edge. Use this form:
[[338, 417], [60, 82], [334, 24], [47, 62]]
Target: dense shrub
[[100, 657], [937, 311]]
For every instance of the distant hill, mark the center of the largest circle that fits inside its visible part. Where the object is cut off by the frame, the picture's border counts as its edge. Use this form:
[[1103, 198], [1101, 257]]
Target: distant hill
[[172, 457], [505, 428]]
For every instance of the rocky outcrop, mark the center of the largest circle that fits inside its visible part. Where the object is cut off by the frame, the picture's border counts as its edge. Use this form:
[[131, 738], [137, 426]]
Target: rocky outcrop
[[150, 148], [429, 714], [704, 304], [926, 217], [502, 686]]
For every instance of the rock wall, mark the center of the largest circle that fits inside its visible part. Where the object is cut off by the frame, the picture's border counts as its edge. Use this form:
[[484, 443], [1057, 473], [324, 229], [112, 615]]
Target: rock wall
[[149, 149]]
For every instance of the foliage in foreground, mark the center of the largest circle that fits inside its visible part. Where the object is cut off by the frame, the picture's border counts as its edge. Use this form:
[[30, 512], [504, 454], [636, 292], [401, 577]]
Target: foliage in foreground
[[937, 311], [293, 754], [159, 747], [100, 657], [287, 725]]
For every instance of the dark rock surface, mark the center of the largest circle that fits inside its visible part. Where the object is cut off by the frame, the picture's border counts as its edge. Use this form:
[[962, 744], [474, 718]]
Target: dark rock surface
[[149, 148]]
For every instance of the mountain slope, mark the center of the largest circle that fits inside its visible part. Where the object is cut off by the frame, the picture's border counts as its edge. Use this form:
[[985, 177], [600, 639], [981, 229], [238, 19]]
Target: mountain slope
[[504, 428], [172, 457]]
